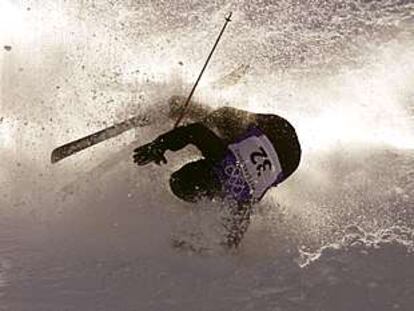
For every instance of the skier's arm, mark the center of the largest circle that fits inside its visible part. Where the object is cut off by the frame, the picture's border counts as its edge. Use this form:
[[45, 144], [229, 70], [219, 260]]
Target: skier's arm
[[237, 223], [210, 145]]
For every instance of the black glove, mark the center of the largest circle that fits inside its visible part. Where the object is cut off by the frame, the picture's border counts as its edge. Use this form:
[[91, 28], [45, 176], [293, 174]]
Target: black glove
[[152, 152]]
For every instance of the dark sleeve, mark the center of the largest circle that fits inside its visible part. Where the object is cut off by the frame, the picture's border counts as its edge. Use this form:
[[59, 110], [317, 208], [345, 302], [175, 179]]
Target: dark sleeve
[[210, 145]]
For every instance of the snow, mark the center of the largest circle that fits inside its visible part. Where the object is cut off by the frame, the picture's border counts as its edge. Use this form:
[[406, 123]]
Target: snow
[[94, 232]]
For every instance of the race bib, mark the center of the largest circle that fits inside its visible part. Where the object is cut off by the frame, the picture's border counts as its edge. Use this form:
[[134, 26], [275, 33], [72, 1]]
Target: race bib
[[250, 167]]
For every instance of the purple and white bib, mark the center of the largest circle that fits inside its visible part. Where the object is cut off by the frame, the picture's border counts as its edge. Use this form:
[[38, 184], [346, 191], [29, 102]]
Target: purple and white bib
[[250, 167]]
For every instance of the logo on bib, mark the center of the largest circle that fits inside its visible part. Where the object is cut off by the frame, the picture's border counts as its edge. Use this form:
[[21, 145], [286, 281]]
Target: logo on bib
[[235, 180]]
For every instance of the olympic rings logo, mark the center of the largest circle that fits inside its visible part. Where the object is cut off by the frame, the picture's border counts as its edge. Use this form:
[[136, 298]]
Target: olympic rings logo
[[235, 180]]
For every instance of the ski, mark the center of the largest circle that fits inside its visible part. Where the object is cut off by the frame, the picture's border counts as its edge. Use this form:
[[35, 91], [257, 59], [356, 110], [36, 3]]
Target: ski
[[80, 144]]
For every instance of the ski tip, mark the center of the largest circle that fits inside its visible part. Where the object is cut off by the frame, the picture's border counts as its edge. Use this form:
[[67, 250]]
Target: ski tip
[[54, 157]]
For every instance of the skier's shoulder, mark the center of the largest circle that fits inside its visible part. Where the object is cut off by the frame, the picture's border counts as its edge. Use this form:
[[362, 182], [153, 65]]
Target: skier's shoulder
[[229, 121], [272, 120], [265, 119], [275, 126], [230, 112]]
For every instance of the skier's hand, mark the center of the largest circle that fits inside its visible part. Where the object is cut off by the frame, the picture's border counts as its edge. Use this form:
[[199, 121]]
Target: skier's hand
[[152, 152]]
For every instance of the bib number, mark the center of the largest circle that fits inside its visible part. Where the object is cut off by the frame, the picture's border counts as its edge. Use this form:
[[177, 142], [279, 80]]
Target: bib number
[[262, 157]]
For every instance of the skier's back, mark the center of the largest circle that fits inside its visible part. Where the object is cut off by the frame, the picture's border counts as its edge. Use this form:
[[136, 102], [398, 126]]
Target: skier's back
[[243, 155]]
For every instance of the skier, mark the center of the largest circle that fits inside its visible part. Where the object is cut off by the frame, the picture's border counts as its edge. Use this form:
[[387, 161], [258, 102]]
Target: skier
[[243, 155]]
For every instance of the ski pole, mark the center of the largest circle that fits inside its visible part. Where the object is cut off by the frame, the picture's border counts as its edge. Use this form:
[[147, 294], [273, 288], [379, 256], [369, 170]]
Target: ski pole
[[187, 103]]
